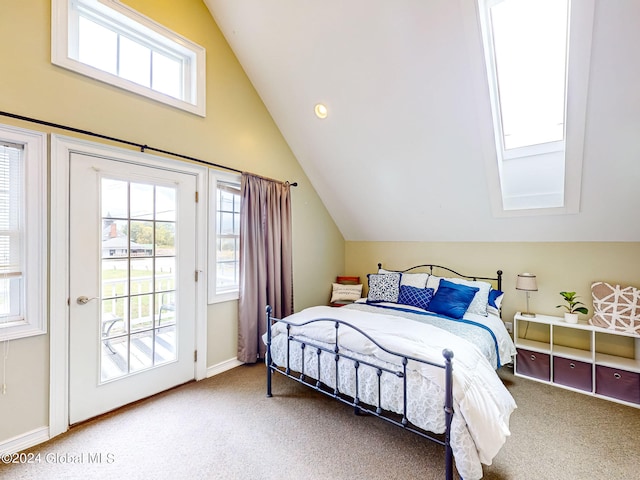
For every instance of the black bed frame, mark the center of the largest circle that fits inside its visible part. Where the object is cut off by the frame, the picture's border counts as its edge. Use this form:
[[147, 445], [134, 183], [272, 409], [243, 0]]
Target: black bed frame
[[400, 371]]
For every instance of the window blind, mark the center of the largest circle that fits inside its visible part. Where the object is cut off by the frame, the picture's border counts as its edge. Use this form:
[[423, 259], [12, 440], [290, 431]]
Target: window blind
[[11, 230]]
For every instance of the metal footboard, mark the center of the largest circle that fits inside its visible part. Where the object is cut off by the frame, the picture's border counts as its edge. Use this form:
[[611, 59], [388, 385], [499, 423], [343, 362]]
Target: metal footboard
[[400, 371]]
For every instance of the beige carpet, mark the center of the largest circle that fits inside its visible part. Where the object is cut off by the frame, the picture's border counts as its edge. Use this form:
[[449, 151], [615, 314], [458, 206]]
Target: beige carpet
[[226, 428]]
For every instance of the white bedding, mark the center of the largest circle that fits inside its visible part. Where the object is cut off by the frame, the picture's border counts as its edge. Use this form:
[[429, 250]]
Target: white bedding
[[482, 404], [502, 349]]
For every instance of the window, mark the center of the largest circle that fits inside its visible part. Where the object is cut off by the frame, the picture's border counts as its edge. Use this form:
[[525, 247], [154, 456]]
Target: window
[[530, 56], [22, 233], [224, 264], [533, 59], [109, 41]]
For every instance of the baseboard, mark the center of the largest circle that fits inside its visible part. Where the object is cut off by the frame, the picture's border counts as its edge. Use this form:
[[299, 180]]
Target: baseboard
[[26, 440], [223, 367]]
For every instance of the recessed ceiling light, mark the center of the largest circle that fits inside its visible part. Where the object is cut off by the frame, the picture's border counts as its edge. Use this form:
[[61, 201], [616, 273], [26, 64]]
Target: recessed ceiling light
[[321, 110]]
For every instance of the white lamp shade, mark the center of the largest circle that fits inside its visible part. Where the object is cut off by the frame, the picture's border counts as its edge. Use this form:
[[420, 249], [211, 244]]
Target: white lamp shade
[[527, 282]]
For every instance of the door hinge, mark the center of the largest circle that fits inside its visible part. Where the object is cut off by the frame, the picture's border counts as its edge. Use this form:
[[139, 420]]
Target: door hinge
[[197, 274], [195, 355], [197, 197]]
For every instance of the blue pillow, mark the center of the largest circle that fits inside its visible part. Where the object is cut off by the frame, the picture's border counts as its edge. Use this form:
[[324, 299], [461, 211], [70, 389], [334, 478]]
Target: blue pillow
[[414, 296], [493, 296], [452, 299], [384, 287]]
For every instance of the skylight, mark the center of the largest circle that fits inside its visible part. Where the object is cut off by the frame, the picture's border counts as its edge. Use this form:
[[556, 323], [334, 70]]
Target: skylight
[[530, 57], [537, 56]]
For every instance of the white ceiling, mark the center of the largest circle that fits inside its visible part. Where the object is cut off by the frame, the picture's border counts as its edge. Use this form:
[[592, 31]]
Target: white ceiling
[[400, 155]]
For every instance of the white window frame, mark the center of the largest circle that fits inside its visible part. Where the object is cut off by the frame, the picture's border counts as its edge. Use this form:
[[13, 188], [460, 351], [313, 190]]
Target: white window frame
[[34, 321], [64, 22], [578, 65], [215, 177]]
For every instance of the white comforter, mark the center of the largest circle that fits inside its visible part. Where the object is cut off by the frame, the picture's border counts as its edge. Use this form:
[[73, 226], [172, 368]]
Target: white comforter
[[481, 402]]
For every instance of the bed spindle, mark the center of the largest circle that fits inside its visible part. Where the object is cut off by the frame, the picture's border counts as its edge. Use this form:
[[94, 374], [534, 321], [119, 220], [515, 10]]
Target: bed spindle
[[288, 370], [268, 356], [379, 409], [302, 347], [448, 408], [336, 358], [318, 352], [356, 399], [404, 391]]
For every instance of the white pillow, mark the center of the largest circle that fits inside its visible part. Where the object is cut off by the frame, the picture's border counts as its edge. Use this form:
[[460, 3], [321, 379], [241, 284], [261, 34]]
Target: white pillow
[[480, 299], [342, 293], [418, 280], [433, 282]]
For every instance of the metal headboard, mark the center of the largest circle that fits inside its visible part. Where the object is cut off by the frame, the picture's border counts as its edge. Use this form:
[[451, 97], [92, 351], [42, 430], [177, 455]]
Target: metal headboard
[[497, 278]]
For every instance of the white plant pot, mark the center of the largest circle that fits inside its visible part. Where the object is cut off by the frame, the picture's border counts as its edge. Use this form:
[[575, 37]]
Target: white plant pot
[[571, 317]]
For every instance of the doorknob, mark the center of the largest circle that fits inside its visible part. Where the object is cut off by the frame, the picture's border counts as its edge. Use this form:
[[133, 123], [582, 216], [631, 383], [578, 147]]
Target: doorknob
[[83, 300]]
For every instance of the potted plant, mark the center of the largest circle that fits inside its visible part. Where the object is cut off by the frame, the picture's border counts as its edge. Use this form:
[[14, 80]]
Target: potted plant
[[573, 307]]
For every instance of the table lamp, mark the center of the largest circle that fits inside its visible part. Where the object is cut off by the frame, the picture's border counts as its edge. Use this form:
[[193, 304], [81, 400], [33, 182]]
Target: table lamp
[[527, 283]]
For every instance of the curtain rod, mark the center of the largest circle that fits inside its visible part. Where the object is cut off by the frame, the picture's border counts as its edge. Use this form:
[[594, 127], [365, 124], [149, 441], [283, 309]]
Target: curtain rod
[[126, 142]]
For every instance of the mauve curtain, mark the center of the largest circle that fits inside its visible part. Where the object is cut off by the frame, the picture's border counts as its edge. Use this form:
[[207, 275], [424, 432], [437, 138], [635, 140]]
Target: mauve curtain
[[266, 270]]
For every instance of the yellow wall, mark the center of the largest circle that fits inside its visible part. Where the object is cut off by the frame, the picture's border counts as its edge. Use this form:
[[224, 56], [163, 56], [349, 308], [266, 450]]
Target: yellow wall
[[558, 266], [237, 131]]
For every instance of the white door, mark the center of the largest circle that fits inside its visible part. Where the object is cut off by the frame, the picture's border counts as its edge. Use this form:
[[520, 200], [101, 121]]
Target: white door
[[132, 242]]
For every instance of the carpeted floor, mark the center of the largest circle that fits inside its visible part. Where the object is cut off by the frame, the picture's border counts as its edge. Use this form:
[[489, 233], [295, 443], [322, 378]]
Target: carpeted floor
[[225, 428]]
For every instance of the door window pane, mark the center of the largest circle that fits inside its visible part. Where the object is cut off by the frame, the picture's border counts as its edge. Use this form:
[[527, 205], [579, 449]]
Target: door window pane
[[138, 281], [165, 347], [115, 278], [165, 308], [114, 317], [165, 203], [165, 274], [115, 238], [140, 315], [141, 351], [115, 198], [142, 201], [141, 239], [165, 238], [141, 275]]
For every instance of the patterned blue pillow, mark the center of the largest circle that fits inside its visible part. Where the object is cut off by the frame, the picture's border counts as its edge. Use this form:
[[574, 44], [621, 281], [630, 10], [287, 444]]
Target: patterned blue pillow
[[452, 299], [384, 287], [416, 297]]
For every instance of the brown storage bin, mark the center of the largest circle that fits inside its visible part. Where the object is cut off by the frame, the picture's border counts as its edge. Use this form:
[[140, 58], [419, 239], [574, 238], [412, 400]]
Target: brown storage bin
[[617, 383], [533, 364], [572, 373]]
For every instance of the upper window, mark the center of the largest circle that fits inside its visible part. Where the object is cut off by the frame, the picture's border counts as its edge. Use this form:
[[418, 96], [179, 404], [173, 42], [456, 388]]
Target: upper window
[[532, 62], [108, 41], [224, 267], [23, 212]]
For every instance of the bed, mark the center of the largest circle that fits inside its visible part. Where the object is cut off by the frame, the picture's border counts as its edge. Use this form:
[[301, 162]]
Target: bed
[[420, 351]]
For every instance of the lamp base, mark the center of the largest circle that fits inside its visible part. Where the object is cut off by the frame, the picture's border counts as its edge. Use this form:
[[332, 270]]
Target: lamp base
[[528, 314]]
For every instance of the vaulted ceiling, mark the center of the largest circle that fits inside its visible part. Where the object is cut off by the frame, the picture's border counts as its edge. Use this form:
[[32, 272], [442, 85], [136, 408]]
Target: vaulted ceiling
[[400, 156]]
